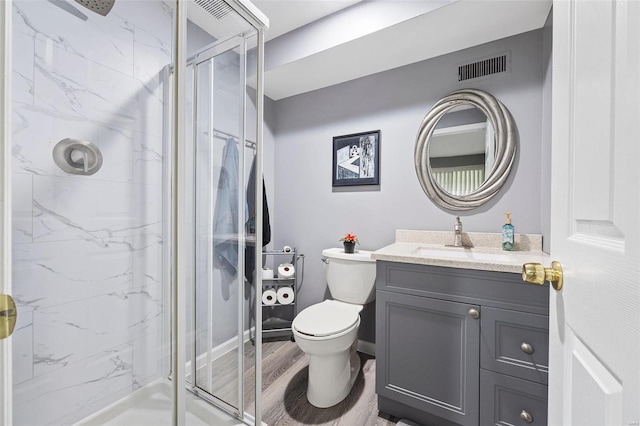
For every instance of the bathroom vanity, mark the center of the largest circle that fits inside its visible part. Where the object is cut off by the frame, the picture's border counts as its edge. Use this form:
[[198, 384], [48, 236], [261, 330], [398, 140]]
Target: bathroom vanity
[[460, 338]]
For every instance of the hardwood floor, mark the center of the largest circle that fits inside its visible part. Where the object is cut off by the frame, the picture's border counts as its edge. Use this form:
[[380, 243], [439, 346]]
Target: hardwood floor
[[284, 400], [284, 387]]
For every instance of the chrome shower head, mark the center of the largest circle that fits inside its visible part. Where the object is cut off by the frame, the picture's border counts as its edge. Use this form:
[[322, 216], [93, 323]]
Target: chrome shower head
[[101, 7]]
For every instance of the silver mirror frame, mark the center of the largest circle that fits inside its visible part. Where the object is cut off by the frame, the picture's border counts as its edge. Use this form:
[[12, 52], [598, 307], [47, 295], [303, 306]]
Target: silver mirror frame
[[505, 133]]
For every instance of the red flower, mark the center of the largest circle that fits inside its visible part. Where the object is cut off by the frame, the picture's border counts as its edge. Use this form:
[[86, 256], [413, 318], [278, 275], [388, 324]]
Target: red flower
[[350, 238]]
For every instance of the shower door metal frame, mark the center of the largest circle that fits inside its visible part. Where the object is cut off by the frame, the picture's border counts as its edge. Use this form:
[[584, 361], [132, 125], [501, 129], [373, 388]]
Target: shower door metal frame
[[260, 22], [177, 226]]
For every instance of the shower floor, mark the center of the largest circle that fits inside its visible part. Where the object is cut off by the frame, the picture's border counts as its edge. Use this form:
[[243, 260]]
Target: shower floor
[[151, 405]]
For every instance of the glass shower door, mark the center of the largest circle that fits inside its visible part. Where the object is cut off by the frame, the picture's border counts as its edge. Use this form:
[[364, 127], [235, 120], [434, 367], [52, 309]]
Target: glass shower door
[[221, 349], [89, 245], [94, 259]]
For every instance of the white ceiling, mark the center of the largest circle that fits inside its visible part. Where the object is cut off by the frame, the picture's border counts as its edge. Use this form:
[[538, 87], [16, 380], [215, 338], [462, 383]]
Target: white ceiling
[[287, 15], [315, 44]]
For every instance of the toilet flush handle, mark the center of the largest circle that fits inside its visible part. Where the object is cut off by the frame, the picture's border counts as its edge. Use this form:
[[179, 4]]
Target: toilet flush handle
[[325, 260]]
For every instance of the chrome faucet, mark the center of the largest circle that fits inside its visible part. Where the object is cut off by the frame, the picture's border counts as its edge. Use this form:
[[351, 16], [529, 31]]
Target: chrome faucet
[[457, 229]]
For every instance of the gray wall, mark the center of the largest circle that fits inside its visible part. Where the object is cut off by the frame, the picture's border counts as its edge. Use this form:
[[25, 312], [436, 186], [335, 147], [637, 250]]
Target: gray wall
[[269, 162], [313, 216], [268, 156]]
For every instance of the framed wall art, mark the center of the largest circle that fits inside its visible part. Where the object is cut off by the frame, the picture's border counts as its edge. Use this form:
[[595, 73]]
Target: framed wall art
[[356, 159]]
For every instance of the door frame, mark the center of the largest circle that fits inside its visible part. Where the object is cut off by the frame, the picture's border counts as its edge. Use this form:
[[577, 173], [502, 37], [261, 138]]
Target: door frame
[[6, 382]]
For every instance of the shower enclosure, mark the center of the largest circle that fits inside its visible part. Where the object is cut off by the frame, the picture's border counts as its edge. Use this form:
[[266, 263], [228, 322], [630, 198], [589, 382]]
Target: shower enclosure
[[128, 250]]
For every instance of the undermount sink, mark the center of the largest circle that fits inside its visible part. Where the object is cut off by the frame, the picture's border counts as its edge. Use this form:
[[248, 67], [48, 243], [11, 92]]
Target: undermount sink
[[458, 253]]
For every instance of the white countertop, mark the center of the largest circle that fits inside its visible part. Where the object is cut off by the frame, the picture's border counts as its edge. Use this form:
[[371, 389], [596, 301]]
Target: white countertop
[[481, 251]]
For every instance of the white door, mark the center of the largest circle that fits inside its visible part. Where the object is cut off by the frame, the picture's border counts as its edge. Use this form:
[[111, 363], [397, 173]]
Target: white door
[[595, 320]]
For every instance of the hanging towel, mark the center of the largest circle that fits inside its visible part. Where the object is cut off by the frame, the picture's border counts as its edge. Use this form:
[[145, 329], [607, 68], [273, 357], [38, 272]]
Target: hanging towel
[[225, 217], [250, 250]]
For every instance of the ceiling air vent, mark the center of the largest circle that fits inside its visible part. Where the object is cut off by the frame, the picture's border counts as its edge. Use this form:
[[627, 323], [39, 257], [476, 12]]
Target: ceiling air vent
[[484, 67], [218, 8]]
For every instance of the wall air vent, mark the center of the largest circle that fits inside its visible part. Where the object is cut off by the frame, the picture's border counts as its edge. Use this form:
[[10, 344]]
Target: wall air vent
[[218, 8], [484, 67]]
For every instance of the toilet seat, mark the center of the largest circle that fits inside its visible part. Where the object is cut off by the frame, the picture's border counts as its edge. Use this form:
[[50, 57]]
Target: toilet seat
[[326, 319]]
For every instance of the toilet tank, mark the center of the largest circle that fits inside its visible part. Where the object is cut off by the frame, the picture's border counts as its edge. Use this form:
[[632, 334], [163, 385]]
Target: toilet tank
[[351, 277]]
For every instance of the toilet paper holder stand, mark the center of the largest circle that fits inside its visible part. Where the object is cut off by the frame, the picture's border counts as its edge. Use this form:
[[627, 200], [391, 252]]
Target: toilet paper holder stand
[[278, 317]]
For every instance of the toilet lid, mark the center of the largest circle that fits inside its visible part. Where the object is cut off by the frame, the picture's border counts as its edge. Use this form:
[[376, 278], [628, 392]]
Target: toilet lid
[[326, 318]]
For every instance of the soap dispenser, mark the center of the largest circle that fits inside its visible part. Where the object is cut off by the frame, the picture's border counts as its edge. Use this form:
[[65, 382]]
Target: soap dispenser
[[508, 234]]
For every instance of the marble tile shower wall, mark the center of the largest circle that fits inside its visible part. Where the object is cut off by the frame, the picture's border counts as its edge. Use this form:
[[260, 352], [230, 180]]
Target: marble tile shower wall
[[87, 249]]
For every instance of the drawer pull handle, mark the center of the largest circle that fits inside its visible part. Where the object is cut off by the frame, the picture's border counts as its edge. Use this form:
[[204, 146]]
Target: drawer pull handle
[[526, 417], [474, 313], [526, 348]]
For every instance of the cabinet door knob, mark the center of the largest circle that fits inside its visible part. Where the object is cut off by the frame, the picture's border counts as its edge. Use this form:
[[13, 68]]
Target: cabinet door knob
[[474, 313], [526, 417], [526, 348]]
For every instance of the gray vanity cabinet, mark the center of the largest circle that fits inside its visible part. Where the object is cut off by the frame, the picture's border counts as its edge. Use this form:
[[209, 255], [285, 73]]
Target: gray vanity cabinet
[[424, 337], [460, 347]]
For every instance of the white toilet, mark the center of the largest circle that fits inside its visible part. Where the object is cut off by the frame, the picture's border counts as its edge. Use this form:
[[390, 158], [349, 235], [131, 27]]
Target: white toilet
[[327, 332]]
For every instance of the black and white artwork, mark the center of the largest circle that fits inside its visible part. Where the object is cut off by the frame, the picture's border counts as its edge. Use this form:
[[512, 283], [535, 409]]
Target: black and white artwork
[[356, 159]]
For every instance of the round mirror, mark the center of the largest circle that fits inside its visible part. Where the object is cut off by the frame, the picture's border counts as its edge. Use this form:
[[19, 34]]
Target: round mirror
[[464, 150], [461, 150]]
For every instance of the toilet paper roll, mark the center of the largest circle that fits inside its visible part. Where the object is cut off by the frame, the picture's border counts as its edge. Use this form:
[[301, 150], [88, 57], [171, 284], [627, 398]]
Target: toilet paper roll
[[285, 295], [286, 270], [267, 274], [287, 249], [269, 297]]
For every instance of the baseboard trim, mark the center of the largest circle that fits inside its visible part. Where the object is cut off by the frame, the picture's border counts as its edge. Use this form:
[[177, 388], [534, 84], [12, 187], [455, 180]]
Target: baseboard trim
[[366, 348], [218, 351]]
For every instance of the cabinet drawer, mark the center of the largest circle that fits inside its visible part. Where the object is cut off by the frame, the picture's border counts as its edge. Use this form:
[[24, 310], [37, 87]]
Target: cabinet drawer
[[515, 343], [487, 288], [506, 401]]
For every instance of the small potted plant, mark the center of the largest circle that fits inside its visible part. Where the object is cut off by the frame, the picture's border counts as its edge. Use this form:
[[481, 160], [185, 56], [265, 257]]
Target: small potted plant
[[349, 241]]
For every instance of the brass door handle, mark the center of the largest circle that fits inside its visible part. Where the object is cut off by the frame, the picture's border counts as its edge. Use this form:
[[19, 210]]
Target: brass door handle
[[535, 273], [8, 316]]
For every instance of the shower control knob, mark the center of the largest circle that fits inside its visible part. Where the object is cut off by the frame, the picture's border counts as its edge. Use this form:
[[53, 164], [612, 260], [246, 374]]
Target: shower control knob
[[474, 313], [77, 157]]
